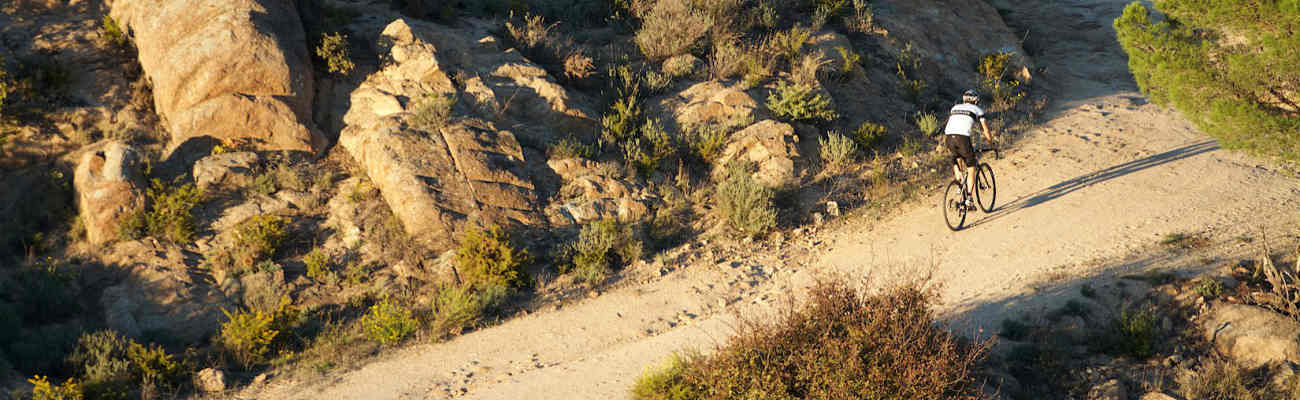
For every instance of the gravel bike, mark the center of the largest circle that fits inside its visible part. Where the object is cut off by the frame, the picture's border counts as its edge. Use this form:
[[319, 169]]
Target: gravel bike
[[957, 201]]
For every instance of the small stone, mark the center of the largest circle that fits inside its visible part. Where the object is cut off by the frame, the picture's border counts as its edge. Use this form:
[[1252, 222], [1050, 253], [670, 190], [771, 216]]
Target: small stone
[[1157, 396], [817, 218], [1112, 389], [833, 208], [210, 380]]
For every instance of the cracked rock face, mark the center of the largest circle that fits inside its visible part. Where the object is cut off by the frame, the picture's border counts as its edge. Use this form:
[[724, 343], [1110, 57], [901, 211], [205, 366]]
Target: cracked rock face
[[438, 180], [229, 69]]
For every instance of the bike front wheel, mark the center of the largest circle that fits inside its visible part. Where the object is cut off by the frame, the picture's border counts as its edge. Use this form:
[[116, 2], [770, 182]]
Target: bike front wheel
[[954, 207], [986, 188]]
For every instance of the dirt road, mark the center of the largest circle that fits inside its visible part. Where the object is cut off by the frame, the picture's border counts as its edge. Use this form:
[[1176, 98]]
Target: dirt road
[[1090, 192]]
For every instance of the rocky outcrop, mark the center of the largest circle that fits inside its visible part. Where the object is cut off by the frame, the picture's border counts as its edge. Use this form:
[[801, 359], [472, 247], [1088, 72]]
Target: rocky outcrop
[[709, 103], [593, 194], [109, 190], [1252, 336], [210, 380], [224, 169], [438, 180], [159, 296], [770, 145], [229, 69], [951, 35]]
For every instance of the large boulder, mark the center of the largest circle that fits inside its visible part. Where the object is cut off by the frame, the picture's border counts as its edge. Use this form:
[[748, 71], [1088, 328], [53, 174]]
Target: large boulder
[[1252, 336], [770, 145], [438, 180], [229, 69], [109, 190]]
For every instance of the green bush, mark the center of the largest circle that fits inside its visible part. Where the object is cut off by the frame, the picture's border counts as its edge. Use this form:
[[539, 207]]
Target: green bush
[[789, 44], [388, 322], [101, 360], [433, 112], [257, 239], [708, 141], [152, 365], [459, 307], [621, 123], [837, 151], [42, 389], [928, 123], [798, 102], [247, 336], [601, 246], [43, 349], [486, 257], [1209, 288], [649, 148], [745, 203], [170, 215], [842, 344], [572, 147], [333, 49], [44, 293], [869, 134], [1133, 333], [1225, 64], [111, 32], [318, 265]]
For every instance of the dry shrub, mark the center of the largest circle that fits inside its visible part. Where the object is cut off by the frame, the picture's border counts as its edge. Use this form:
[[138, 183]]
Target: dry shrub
[[679, 66], [532, 33], [842, 344], [805, 71], [727, 60], [746, 203], [486, 257], [837, 151], [578, 66], [671, 28]]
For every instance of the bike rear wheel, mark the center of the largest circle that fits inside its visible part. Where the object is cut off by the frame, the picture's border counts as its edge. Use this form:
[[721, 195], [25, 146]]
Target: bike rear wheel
[[954, 207], [986, 188]]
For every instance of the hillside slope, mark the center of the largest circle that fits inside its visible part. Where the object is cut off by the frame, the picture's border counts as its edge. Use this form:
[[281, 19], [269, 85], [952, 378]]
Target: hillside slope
[[1088, 192]]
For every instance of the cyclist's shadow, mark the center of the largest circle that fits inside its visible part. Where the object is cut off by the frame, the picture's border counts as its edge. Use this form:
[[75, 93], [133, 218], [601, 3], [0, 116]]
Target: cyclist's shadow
[[1061, 189]]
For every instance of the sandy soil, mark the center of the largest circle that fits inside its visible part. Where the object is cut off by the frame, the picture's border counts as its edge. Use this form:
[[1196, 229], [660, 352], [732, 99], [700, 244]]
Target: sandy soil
[[1087, 195]]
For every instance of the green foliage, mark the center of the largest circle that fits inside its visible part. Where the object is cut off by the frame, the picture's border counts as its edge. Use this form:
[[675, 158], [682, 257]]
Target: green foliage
[[849, 61], [837, 151], [646, 154], [169, 216], [842, 344], [458, 307], [45, 294], [151, 364], [928, 123], [745, 203], [486, 257], [318, 264], [869, 134], [42, 389], [43, 207], [1228, 66], [257, 239], [111, 32], [388, 322], [101, 360], [668, 382], [707, 141], [601, 245], [1134, 333], [247, 336], [799, 102], [433, 112], [620, 123], [1015, 330], [1006, 92], [572, 147], [789, 44], [1209, 288]]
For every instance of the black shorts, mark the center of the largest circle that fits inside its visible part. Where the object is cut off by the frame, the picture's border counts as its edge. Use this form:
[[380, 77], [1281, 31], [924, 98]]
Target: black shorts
[[960, 147]]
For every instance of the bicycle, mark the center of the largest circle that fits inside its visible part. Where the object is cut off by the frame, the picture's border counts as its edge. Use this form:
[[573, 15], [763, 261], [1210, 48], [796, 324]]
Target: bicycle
[[957, 200]]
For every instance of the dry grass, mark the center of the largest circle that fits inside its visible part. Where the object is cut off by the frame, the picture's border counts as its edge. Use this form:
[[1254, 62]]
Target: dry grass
[[670, 28], [842, 344]]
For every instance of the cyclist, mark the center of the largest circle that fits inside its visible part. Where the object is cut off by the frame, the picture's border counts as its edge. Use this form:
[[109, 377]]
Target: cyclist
[[961, 120]]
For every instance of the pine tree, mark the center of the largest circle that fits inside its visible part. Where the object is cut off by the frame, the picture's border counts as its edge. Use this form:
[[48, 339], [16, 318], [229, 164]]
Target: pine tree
[[1232, 66]]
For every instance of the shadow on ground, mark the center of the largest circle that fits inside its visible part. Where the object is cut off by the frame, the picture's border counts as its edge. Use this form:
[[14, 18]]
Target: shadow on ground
[[1100, 176]]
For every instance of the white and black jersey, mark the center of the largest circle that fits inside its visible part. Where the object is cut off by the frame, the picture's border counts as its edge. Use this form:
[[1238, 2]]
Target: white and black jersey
[[962, 119]]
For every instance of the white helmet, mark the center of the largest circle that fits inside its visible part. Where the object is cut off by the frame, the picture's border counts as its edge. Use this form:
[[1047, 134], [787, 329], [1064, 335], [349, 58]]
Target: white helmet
[[971, 96]]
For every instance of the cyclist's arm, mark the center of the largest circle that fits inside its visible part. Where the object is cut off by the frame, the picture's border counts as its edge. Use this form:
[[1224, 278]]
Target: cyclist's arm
[[988, 135]]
